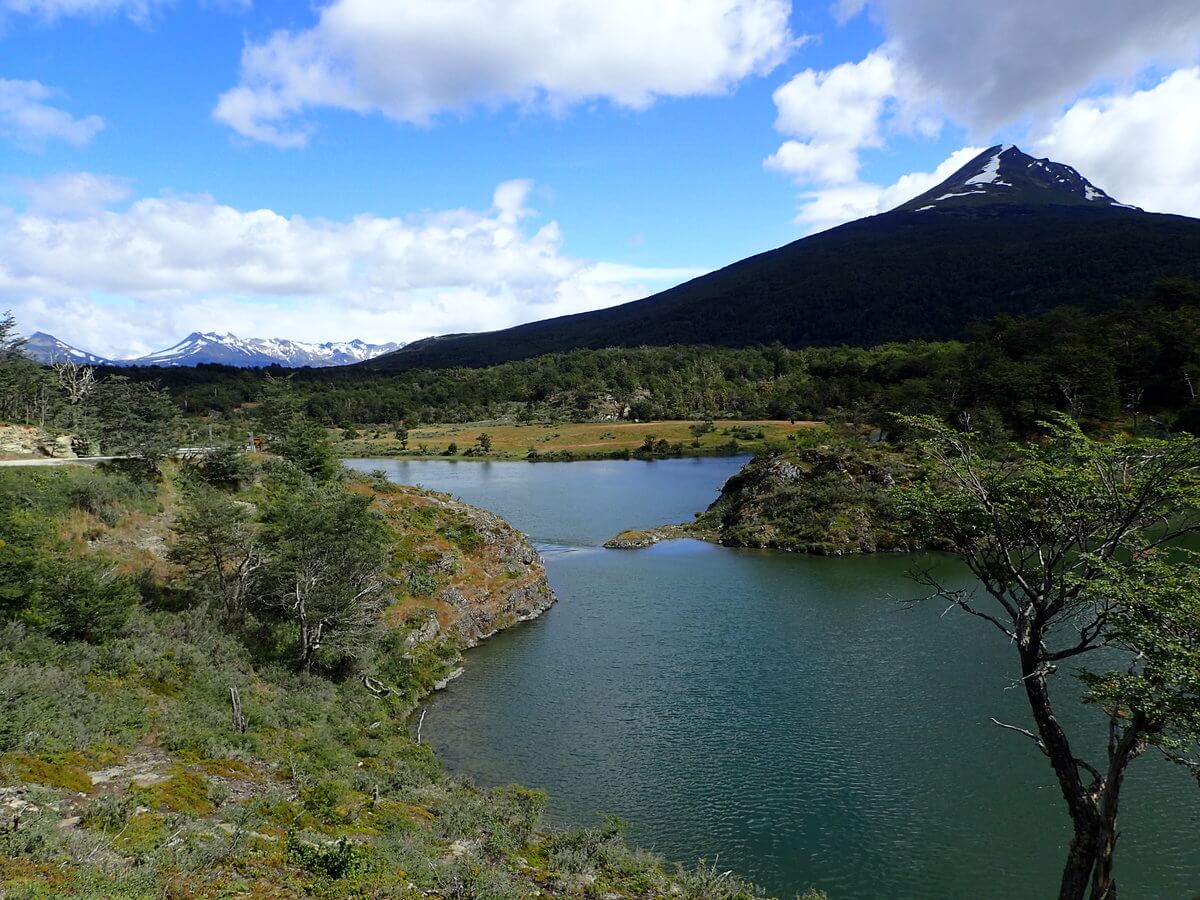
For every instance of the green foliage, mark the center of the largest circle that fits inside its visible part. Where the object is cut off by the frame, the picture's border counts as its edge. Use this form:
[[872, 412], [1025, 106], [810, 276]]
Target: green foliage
[[1155, 617], [42, 584], [110, 813], [136, 419], [74, 599], [306, 444], [342, 860], [1139, 362], [292, 434], [108, 496], [328, 552], [224, 467], [828, 494], [218, 545], [1072, 540]]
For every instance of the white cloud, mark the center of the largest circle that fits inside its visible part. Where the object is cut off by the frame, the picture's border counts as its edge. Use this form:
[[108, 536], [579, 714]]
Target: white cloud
[[29, 121], [129, 281], [1142, 147], [832, 117], [52, 10], [992, 63], [832, 114], [414, 60], [826, 207], [70, 193]]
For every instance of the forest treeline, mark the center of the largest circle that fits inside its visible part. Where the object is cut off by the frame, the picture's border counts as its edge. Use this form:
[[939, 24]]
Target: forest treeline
[[1139, 362]]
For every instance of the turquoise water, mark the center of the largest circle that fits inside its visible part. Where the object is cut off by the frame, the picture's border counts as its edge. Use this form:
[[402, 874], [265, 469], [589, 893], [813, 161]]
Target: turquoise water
[[785, 713]]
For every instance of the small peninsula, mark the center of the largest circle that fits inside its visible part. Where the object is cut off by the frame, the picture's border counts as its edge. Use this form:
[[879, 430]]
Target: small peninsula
[[832, 497]]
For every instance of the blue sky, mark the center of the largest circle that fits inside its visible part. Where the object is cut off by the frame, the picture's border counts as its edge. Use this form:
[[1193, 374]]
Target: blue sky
[[359, 168]]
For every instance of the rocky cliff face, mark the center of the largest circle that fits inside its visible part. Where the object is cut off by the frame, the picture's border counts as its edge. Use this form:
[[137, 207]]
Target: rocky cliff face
[[25, 440], [476, 572]]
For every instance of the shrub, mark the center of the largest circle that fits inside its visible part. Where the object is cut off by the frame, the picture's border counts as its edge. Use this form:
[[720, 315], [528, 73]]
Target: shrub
[[75, 599], [225, 467], [342, 860], [108, 496], [110, 813]]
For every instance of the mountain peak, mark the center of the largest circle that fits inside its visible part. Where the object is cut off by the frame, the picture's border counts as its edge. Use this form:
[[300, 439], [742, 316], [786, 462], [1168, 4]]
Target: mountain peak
[[1005, 176]]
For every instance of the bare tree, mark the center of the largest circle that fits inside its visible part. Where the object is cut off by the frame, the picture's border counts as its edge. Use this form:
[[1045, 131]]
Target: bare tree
[[75, 378], [77, 381]]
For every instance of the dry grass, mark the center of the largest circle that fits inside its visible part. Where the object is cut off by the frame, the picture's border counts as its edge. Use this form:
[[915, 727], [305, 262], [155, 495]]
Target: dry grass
[[580, 438]]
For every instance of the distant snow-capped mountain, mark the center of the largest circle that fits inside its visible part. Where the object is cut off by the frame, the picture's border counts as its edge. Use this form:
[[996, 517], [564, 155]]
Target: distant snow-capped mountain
[[230, 350], [222, 349], [46, 348]]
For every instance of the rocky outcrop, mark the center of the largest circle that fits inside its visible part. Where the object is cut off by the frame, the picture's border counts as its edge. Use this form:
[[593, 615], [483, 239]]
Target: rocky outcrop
[[830, 499], [640, 539], [26, 440], [476, 572]]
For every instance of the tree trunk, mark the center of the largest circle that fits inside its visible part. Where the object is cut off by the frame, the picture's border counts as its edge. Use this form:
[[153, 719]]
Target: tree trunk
[[302, 615], [1081, 859], [235, 700], [1081, 856], [1121, 754], [1104, 886]]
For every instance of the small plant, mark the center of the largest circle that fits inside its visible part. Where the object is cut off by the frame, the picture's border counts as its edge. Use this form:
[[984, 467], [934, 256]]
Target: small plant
[[109, 814], [342, 860]]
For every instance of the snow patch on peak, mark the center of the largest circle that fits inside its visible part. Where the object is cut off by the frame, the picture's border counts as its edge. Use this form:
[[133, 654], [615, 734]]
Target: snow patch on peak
[[991, 171]]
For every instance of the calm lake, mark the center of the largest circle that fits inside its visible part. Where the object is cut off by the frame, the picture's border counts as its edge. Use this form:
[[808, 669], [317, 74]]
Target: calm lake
[[785, 714]]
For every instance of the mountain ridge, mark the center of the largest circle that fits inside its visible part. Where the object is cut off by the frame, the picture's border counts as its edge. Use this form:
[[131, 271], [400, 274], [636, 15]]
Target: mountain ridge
[[202, 348]]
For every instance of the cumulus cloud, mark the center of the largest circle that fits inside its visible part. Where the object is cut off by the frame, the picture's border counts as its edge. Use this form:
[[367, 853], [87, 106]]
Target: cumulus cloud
[[989, 64], [71, 193], [412, 61], [831, 116], [1142, 147], [27, 119], [132, 280], [826, 207]]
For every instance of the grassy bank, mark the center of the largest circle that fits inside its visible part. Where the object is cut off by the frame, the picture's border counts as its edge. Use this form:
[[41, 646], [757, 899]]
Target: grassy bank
[[128, 770], [563, 441]]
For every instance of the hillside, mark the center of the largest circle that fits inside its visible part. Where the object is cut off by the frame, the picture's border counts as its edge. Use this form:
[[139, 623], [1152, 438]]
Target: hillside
[[151, 746], [1024, 242]]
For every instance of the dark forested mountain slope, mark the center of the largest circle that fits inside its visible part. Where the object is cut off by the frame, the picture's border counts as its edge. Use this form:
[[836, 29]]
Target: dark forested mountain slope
[[1020, 236]]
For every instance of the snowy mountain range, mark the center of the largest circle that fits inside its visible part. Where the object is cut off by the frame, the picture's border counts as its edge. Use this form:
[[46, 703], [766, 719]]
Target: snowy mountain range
[[222, 349]]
